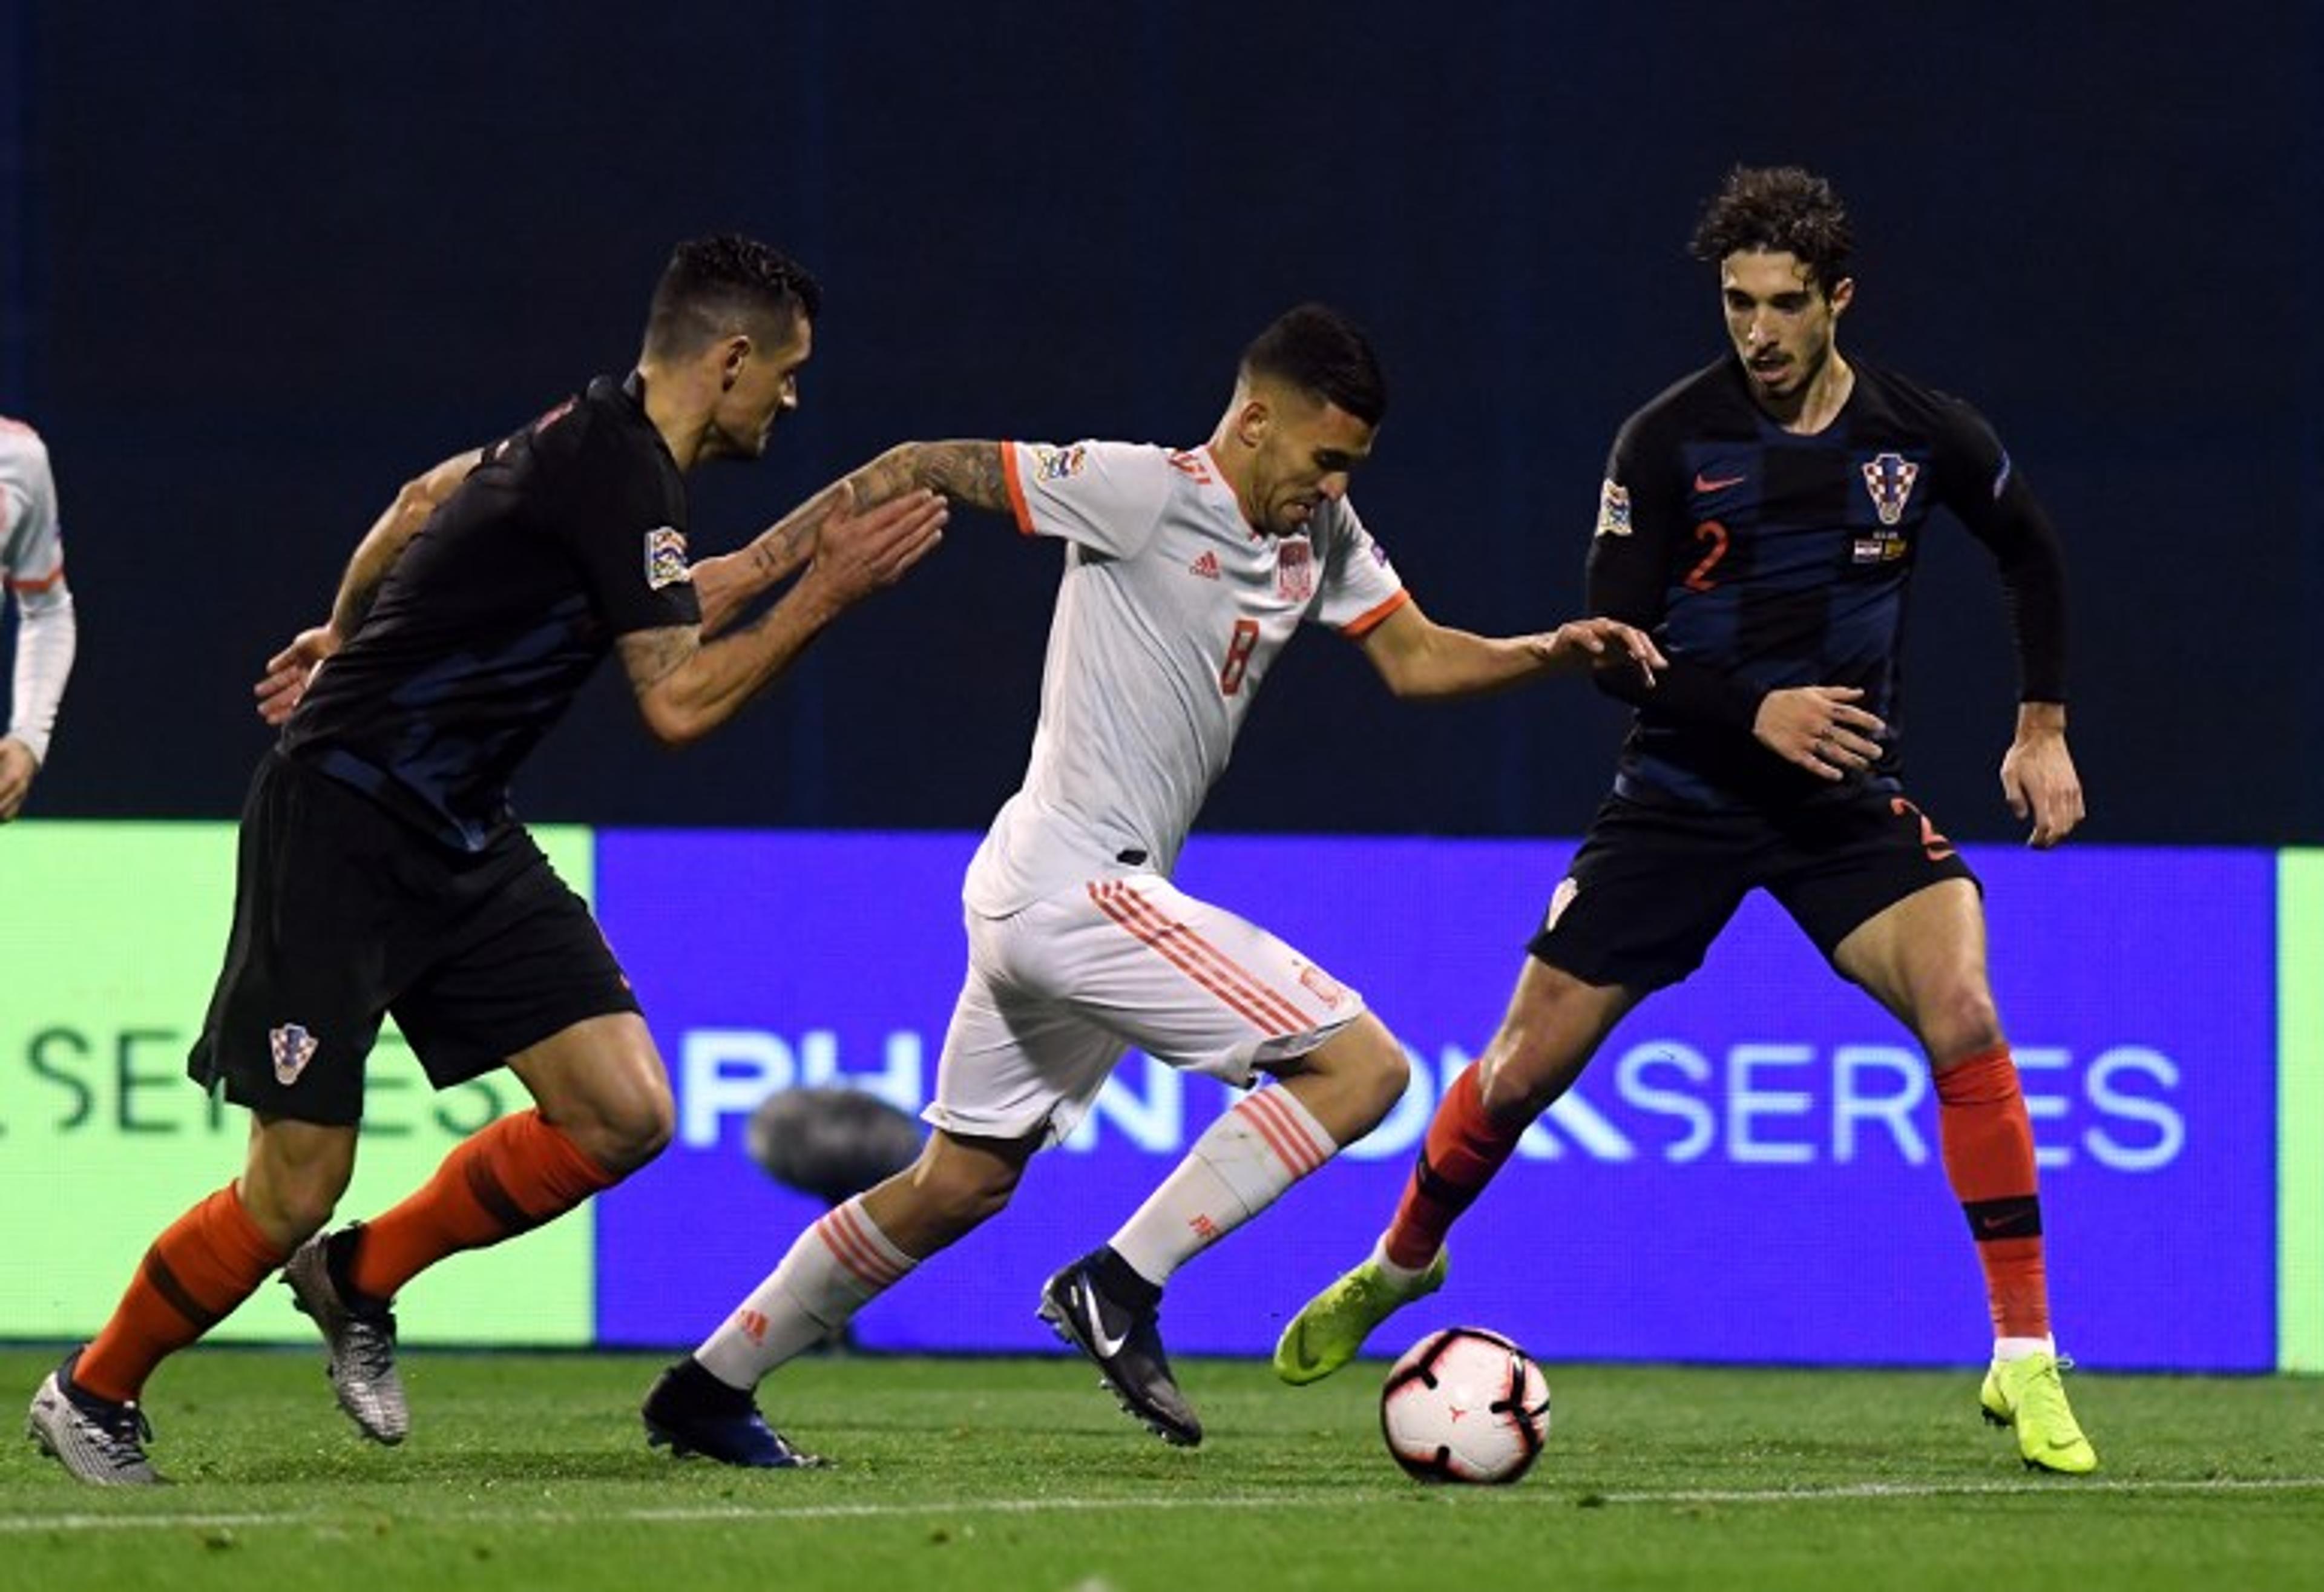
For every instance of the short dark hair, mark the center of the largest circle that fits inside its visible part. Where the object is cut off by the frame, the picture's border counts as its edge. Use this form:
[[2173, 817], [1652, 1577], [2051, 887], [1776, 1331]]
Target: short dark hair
[[1782, 209], [712, 285], [1320, 351]]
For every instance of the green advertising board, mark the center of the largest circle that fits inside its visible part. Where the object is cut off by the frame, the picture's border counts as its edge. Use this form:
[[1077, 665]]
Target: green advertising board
[[2299, 1110], [110, 936]]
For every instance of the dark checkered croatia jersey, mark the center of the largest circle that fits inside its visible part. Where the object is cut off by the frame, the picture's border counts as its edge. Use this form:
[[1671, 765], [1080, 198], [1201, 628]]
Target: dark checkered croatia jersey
[[569, 534], [1762, 559]]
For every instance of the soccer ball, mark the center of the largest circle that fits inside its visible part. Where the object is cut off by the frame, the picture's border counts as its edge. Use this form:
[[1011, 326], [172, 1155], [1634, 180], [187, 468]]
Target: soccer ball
[[1465, 1405]]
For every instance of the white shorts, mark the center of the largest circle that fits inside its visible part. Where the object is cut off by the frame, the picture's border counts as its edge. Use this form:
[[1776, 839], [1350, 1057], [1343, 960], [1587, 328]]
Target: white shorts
[[1056, 993]]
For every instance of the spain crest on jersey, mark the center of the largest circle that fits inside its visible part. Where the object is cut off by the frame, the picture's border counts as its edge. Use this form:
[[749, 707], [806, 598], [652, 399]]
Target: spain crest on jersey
[[1889, 477], [1295, 571], [666, 558]]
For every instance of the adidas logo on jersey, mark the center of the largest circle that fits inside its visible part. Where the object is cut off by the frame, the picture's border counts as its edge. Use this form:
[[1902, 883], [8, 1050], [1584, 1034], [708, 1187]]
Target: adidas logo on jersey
[[1207, 566]]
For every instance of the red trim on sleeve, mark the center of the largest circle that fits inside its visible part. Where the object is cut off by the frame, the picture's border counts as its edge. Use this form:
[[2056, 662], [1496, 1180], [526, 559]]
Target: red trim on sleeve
[[1357, 627], [42, 584], [1017, 504]]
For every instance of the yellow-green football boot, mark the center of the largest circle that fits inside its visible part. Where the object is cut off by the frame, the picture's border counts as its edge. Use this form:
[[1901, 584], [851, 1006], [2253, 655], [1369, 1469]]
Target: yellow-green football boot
[[2029, 1394], [1332, 1326]]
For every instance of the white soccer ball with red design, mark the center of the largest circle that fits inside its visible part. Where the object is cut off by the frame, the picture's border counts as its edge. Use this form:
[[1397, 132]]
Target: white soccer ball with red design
[[1465, 1405]]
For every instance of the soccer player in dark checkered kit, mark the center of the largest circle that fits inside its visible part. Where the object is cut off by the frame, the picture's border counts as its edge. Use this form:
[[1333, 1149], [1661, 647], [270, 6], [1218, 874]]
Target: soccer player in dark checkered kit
[[382, 870], [1761, 518]]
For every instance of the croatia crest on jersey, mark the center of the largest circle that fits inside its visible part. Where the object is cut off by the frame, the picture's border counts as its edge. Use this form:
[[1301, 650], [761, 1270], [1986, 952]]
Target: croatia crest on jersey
[[1889, 477], [1295, 571], [666, 558], [292, 1047]]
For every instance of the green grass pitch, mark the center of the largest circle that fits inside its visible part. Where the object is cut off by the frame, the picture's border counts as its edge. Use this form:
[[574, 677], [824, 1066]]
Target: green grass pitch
[[1019, 1474]]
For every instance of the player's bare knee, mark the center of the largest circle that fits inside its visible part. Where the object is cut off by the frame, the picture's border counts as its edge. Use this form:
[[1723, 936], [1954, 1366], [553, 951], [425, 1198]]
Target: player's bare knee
[[981, 1200], [290, 1205], [1960, 1023], [621, 1131], [1390, 1079], [293, 1176], [1519, 1078], [1365, 1052], [634, 1135], [1507, 1095], [293, 1216], [967, 1187], [1352, 1079]]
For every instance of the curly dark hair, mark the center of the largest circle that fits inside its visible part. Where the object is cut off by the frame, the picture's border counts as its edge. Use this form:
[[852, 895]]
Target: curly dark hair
[[1784, 209], [1321, 351], [715, 285]]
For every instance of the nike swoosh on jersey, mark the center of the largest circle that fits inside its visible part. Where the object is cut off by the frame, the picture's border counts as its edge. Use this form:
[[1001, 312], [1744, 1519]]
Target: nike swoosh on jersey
[[1703, 482]]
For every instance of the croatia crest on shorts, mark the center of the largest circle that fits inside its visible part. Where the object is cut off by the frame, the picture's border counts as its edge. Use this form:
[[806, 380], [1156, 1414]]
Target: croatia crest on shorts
[[1889, 477], [666, 558], [292, 1047]]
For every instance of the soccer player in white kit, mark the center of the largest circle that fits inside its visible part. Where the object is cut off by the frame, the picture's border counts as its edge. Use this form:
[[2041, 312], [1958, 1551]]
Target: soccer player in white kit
[[32, 571], [1185, 572]]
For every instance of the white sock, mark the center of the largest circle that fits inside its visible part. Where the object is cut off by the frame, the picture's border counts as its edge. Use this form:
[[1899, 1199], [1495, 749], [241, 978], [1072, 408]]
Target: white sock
[[1240, 1165], [832, 1269], [1405, 1277], [2017, 1348]]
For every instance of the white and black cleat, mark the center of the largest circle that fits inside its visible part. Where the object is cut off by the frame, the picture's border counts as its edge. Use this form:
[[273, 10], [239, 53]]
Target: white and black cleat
[[99, 1441], [1122, 1339], [360, 1334]]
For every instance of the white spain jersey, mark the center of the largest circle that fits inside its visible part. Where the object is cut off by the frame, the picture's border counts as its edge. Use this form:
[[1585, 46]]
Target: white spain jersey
[[31, 548], [1170, 612]]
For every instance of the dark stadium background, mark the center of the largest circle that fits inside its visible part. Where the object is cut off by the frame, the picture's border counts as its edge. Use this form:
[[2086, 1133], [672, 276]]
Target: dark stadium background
[[259, 263]]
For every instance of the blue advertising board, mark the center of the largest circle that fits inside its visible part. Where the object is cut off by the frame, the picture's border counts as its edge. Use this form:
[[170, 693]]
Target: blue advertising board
[[1747, 1172]]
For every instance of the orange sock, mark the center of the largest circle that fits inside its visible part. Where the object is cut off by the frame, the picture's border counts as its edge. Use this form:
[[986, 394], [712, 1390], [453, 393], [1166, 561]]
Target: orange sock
[[1987, 1140], [1463, 1150], [504, 1179], [203, 1264]]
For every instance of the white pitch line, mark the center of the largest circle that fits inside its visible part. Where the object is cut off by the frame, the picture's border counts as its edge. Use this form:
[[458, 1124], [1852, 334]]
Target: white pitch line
[[2063, 1486], [727, 1514]]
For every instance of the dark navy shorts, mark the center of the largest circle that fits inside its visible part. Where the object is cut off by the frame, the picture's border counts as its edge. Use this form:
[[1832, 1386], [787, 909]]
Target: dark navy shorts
[[1653, 886], [343, 914]]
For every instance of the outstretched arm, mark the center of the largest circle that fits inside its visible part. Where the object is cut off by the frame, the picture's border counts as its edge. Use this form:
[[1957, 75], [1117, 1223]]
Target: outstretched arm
[[1418, 657], [972, 472], [726, 583], [284, 683], [687, 686]]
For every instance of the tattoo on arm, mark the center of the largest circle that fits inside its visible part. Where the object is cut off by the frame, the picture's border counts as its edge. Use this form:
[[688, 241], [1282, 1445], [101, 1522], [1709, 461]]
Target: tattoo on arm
[[969, 472], [777, 553], [653, 656]]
